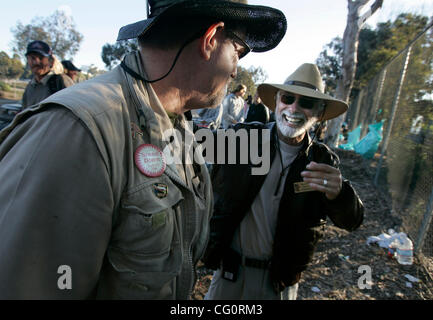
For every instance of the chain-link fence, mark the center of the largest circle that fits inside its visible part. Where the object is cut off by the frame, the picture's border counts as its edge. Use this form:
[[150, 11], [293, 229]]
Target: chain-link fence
[[401, 96]]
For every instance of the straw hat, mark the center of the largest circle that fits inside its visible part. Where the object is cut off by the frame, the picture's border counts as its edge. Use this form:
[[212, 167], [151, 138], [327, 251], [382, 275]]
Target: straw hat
[[305, 81]]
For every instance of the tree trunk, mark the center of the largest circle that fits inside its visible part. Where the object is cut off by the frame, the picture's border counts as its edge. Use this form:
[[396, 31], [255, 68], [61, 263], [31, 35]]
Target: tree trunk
[[350, 54]]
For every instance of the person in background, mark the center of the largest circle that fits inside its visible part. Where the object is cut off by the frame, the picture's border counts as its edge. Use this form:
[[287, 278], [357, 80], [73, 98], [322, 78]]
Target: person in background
[[48, 76], [71, 70], [233, 107], [257, 111]]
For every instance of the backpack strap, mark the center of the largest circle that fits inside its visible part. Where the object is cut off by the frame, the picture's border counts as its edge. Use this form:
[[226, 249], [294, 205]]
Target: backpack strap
[[55, 83]]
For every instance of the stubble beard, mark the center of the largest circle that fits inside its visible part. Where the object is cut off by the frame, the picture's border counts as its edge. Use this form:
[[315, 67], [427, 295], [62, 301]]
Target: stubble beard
[[216, 99]]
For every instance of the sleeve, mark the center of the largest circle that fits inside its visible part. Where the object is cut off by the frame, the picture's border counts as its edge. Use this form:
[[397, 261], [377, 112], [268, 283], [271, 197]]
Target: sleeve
[[219, 116], [228, 105], [244, 111], [267, 117], [24, 101], [347, 210], [67, 80], [56, 207]]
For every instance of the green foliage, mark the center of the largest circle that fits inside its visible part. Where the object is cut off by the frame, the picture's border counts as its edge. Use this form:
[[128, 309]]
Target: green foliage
[[11, 68], [376, 48], [89, 72], [112, 54], [58, 30], [330, 62], [250, 77], [4, 86]]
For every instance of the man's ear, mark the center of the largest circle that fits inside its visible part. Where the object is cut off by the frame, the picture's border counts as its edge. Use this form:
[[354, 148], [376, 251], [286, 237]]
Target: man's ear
[[208, 41]]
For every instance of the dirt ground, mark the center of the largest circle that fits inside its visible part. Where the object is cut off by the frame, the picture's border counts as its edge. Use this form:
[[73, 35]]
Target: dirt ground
[[335, 270]]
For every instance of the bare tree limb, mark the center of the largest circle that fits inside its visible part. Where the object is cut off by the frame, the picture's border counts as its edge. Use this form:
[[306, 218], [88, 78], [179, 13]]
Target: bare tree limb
[[350, 50]]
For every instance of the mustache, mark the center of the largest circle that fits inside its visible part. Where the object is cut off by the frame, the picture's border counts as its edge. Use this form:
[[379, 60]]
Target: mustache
[[297, 115]]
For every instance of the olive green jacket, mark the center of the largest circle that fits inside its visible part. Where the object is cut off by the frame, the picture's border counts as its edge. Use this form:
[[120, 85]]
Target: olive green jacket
[[71, 195]]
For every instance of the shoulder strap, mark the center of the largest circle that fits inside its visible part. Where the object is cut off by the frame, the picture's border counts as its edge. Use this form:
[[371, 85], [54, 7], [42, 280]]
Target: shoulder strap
[[55, 83]]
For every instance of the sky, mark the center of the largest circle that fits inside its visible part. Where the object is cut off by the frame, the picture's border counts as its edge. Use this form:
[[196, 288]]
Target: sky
[[311, 24]]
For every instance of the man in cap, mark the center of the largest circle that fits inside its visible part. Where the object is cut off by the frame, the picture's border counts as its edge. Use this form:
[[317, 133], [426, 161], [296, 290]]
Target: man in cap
[[70, 69], [263, 238], [90, 206], [48, 76]]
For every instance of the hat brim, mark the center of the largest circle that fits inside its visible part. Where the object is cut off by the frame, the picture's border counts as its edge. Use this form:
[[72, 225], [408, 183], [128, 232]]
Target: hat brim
[[333, 109], [265, 26], [38, 52], [70, 66]]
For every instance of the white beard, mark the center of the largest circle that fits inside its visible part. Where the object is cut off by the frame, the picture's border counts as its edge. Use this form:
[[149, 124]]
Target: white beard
[[302, 124]]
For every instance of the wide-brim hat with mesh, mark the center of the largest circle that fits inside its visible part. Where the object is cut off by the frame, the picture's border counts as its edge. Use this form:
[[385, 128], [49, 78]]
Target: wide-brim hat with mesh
[[305, 81], [265, 26]]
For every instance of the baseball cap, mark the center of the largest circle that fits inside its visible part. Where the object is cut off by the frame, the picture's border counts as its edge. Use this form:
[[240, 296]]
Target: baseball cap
[[67, 64], [39, 47]]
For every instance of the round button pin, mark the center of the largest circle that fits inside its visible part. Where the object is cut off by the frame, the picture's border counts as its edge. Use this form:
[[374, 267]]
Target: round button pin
[[150, 160]]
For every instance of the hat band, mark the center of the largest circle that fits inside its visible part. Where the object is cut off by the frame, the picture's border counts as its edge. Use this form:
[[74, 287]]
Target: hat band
[[302, 84]]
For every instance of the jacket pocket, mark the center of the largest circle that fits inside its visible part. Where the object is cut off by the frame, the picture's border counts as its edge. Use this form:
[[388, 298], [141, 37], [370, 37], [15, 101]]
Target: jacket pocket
[[147, 219], [123, 281]]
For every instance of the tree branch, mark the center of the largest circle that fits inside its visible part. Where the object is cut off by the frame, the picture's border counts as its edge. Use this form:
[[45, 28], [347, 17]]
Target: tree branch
[[373, 8]]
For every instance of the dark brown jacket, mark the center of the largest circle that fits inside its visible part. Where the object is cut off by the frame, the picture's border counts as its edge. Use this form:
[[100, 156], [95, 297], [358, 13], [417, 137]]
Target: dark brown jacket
[[301, 216]]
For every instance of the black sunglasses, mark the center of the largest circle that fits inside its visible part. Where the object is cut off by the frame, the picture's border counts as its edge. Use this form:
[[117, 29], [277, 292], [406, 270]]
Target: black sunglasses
[[304, 102], [236, 39]]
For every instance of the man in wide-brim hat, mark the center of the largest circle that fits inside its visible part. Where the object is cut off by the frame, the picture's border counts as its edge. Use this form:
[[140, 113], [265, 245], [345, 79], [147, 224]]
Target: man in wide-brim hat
[[90, 206], [264, 237]]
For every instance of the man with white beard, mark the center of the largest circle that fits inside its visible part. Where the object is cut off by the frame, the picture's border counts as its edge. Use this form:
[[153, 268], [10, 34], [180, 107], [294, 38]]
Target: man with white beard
[[264, 236]]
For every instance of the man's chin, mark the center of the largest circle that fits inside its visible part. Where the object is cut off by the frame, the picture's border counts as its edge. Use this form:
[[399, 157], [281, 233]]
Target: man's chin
[[294, 133], [290, 131], [40, 73]]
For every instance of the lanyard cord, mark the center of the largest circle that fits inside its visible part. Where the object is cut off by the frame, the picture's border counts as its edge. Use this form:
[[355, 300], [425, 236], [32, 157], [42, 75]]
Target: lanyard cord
[[136, 76], [139, 77], [282, 165]]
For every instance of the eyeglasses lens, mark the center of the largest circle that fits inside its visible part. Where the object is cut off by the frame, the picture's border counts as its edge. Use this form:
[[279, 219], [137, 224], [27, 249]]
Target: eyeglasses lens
[[304, 103], [239, 42]]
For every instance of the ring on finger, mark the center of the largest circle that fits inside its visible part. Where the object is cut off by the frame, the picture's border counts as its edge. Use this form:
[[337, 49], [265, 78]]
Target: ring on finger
[[325, 182]]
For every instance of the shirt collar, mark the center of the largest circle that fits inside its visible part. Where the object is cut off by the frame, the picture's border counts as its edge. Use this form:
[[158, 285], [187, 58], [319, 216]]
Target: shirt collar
[[44, 80]]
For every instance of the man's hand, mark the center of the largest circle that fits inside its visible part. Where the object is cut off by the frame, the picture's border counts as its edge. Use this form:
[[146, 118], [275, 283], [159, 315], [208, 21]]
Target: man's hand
[[324, 178]]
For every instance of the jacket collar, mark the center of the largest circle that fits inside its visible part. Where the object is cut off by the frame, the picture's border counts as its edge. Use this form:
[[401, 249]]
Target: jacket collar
[[44, 79], [152, 115]]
